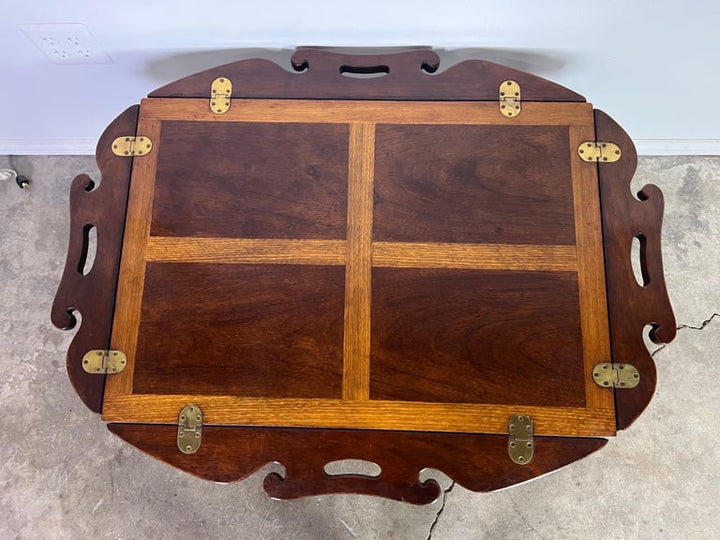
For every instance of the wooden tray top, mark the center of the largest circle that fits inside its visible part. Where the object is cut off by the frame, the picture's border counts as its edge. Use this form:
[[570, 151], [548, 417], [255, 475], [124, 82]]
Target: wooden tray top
[[384, 268]]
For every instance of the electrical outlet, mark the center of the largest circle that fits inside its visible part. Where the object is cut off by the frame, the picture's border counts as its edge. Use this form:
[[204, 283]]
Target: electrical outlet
[[66, 43]]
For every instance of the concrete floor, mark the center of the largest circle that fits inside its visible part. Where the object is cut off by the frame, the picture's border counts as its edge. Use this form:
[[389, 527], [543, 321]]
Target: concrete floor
[[63, 475]]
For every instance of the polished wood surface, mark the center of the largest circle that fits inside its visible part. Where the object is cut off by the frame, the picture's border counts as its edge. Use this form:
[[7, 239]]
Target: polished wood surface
[[93, 295], [390, 254], [476, 462], [632, 307], [290, 111], [235, 329], [246, 250], [413, 75], [391, 352], [131, 278], [590, 276], [475, 184], [359, 414], [478, 256], [356, 360], [467, 336], [259, 180]]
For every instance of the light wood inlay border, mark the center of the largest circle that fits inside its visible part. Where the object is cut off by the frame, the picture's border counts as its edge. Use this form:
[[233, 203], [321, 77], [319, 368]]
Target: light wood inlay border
[[475, 256], [328, 413], [369, 112], [131, 279], [591, 268], [356, 344], [507, 257], [245, 250]]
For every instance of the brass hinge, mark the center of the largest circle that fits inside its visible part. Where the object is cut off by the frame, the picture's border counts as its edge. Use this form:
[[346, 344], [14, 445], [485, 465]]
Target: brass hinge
[[131, 146], [509, 98], [189, 429], [220, 94], [521, 445], [616, 375], [104, 361], [605, 152]]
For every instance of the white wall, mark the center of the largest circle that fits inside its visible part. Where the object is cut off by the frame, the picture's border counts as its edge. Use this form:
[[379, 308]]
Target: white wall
[[653, 66]]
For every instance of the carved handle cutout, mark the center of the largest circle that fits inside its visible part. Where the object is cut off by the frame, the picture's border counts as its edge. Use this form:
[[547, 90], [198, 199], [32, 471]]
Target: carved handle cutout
[[410, 64], [364, 72], [89, 249], [353, 467], [638, 258]]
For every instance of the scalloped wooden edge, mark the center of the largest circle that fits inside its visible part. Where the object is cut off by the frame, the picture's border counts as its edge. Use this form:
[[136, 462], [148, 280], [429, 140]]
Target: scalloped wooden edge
[[630, 306], [477, 462], [316, 75], [93, 295]]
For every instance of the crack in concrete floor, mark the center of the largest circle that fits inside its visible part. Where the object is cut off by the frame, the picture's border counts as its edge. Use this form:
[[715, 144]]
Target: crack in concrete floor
[[683, 326], [702, 325], [446, 492]]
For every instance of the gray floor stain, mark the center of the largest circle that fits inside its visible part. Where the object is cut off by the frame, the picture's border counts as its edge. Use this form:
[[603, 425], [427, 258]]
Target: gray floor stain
[[690, 194], [63, 475]]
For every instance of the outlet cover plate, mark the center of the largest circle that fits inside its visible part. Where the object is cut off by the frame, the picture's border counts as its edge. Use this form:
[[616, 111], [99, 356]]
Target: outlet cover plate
[[66, 43]]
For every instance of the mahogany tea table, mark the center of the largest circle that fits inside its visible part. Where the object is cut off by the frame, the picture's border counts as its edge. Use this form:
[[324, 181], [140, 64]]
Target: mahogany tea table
[[369, 258]]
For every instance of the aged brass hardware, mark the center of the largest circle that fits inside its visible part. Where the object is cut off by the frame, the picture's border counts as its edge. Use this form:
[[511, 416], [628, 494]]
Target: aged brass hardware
[[220, 93], [616, 375], [509, 98], [131, 146], [104, 361], [604, 152], [189, 429], [521, 446]]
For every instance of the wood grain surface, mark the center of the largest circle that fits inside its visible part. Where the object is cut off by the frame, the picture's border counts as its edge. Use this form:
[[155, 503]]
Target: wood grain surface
[[475, 184], [591, 274], [370, 414], [246, 250], [390, 254], [478, 256], [356, 363], [131, 279], [258, 180], [93, 295], [467, 336], [631, 306], [245, 330], [287, 111], [476, 462], [414, 75]]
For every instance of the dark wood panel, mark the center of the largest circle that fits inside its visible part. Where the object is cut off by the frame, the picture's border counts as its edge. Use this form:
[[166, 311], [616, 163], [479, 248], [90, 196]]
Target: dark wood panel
[[477, 337], [243, 330], [498, 184], [93, 295], [251, 180], [476, 462], [631, 307], [414, 74]]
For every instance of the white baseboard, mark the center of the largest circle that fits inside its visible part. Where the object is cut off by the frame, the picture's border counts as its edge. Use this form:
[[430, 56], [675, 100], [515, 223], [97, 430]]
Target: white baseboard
[[678, 147], [81, 147], [47, 147]]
